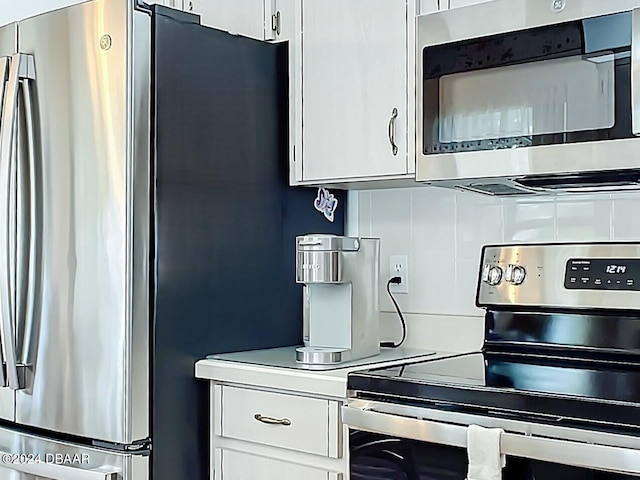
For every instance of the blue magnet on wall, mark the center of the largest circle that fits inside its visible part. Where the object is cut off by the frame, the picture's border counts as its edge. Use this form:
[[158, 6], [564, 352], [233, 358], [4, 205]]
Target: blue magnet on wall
[[326, 203]]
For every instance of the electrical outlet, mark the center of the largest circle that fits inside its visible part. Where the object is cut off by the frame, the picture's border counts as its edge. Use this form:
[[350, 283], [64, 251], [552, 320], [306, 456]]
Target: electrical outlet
[[399, 267]]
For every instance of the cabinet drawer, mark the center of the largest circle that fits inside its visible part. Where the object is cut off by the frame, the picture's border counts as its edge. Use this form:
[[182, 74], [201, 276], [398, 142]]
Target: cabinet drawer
[[244, 466], [287, 421]]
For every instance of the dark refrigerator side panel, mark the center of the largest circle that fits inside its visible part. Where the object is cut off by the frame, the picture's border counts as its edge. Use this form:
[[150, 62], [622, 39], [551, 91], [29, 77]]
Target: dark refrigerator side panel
[[225, 222]]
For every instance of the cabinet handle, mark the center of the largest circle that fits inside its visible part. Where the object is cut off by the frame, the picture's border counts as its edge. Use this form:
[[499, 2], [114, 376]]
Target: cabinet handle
[[275, 23], [272, 421], [392, 131]]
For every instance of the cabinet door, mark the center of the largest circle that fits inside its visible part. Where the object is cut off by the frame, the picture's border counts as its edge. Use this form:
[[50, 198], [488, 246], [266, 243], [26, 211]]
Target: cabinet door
[[354, 77], [244, 17], [282, 23], [464, 3], [243, 466], [429, 6]]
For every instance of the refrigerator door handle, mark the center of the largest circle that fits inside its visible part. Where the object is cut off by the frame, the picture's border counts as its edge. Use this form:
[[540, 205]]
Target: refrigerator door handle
[[55, 471], [34, 230], [22, 67], [5, 257]]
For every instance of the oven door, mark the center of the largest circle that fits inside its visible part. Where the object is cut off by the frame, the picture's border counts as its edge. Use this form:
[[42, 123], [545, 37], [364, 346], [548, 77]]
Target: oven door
[[527, 90], [391, 441]]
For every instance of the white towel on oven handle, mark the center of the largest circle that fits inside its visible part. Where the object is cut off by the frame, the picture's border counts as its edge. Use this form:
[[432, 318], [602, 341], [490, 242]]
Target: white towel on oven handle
[[486, 461]]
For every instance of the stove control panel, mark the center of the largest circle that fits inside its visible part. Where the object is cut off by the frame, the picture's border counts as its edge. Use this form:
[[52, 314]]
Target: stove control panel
[[602, 274], [560, 275]]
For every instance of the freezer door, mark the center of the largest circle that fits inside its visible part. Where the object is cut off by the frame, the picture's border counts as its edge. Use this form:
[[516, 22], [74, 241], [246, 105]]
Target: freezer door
[[82, 286], [25, 457], [8, 47]]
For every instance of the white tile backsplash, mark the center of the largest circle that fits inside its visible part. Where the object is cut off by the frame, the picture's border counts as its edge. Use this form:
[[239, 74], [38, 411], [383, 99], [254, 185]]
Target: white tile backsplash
[[529, 220], [479, 221], [445, 333], [584, 219], [443, 231], [391, 222], [625, 224], [432, 248]]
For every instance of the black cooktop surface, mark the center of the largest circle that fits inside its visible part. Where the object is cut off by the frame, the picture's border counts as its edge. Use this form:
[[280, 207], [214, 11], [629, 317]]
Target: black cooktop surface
[[562, 389]]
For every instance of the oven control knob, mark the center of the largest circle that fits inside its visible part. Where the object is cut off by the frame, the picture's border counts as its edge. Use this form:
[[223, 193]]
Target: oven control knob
[[494, 276], [515, 274]]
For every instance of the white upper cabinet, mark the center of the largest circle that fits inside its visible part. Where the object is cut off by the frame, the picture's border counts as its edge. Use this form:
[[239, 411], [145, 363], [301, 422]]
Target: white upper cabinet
[[259, 19], [428, 6], [245, 17], [464, 3], [354, 90]]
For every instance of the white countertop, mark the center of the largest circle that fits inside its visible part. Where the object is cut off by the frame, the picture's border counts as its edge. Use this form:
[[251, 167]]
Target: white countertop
[[276, 369]]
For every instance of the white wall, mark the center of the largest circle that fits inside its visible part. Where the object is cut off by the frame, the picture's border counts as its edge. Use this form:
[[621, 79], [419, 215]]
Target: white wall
[[443, 231]]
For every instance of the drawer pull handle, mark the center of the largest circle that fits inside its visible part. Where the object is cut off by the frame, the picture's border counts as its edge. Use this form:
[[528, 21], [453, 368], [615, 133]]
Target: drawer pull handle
[[272, 421]]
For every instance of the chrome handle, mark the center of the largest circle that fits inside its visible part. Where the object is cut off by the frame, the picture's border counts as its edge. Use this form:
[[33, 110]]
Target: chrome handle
[[275, 23], [363, 416], [22, 68], [5, 304], [34, 225], [55, 471], [635, 71], [392, 131], [7, 218], [272, 421], [306, 315]]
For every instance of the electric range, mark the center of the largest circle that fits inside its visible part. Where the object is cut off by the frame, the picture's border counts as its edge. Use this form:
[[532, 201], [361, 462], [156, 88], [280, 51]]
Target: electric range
[[559, 372]]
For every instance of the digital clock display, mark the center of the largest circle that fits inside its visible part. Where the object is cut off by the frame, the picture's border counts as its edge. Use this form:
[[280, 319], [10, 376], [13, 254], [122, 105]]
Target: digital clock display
[[616, 269], [602, 274]]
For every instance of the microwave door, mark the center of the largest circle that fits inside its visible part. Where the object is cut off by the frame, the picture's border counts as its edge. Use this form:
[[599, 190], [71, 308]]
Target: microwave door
[[548, 93]]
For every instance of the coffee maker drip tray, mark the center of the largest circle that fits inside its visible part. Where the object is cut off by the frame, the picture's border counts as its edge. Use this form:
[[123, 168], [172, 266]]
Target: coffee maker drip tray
[[322, 355]]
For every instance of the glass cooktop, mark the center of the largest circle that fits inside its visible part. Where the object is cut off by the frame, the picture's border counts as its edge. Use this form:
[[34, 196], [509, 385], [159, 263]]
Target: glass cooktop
[[560, 388]]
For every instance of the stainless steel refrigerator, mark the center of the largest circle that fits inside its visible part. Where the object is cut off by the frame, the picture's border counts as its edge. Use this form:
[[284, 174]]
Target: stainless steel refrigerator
[[145, 221]]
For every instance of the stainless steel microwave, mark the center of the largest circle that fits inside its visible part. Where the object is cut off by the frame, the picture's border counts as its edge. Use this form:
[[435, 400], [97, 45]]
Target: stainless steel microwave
[[530, 96]]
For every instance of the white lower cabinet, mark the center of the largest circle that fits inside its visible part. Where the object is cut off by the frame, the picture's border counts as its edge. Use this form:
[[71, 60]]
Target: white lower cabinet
[[276, 419], [259, 434], [244, 466]]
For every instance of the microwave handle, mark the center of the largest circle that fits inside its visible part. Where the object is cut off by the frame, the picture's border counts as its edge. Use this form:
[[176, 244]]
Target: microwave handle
[[564, 452], [635, 71]]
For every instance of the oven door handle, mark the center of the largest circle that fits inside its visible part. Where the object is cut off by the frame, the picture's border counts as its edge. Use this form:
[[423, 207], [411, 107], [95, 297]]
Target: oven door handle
[[564, 452]]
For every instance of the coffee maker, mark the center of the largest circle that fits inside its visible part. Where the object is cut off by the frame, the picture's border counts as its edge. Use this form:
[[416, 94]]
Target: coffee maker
[[340, 313]]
